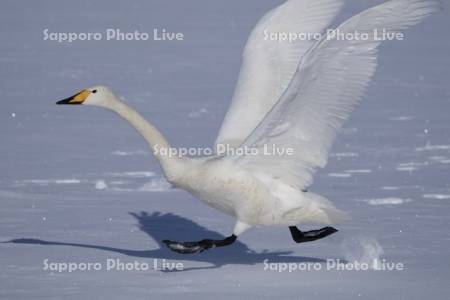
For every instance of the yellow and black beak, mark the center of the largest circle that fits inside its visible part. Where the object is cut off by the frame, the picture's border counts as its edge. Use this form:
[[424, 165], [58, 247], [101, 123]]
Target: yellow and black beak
[[76, 99]]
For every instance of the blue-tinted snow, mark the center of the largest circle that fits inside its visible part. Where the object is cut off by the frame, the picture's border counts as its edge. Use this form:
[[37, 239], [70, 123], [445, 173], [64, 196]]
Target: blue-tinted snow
[[79, 185]]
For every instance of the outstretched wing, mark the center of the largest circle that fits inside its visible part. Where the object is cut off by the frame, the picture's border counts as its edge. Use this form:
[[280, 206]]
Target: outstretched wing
[[331, 78], [270, 62]]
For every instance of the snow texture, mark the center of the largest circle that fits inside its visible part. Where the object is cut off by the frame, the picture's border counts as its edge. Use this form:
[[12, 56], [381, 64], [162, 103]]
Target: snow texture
[[79, 185]]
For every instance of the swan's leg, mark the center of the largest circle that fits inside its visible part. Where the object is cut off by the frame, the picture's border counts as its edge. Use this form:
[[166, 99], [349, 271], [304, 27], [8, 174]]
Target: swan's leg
[[200, 246], [309, 236]]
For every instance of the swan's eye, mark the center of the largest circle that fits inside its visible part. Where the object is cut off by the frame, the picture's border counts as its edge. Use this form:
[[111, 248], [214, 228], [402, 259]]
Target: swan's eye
[[94, 91]]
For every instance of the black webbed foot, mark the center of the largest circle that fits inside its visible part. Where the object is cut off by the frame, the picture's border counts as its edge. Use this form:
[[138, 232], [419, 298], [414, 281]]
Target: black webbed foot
[[312, 235], [200, 246]]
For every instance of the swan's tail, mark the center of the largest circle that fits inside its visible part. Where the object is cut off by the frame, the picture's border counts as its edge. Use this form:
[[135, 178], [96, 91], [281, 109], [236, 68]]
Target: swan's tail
[[318, 210]]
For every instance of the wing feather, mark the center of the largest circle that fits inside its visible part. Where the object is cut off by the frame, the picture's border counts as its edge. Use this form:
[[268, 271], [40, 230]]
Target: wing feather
[[331, 79], [268, 65]]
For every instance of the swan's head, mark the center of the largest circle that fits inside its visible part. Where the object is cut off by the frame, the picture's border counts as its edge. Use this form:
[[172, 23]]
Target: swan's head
[[96, 95]]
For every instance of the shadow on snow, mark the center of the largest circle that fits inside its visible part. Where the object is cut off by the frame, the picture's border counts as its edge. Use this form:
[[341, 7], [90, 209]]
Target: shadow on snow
[[160, 226]]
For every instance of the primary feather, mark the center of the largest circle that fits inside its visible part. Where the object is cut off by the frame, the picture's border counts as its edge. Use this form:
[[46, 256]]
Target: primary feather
[[268, 65], [330, 80]]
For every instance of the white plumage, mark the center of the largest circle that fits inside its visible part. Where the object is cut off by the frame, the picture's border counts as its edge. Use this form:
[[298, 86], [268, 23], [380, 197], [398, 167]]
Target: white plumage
[[268, 66], [290, 95]]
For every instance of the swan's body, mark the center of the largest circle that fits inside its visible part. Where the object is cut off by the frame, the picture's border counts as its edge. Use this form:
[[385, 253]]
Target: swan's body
[[254, 199], [292, 95]]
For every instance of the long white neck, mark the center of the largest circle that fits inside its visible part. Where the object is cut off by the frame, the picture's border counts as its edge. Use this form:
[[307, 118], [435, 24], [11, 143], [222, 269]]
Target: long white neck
[[159, 145]]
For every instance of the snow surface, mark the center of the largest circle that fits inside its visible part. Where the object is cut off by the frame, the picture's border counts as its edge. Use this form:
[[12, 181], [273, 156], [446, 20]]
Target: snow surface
[[78, 185]]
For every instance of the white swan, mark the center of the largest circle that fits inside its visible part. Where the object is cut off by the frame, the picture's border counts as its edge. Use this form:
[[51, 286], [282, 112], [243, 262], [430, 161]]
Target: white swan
[[290, 94]]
